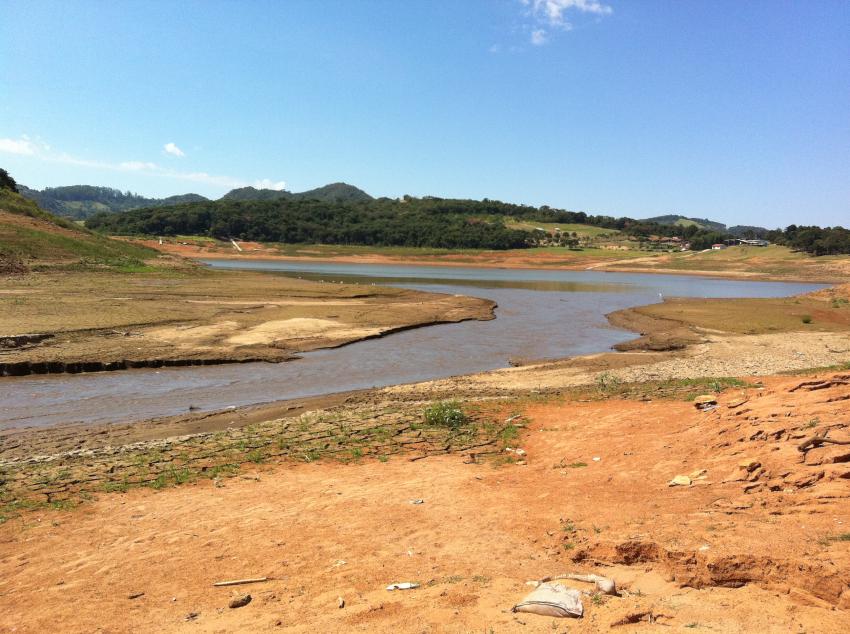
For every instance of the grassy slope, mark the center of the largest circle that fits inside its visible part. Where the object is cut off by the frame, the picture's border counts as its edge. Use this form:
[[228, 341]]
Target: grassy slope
[[774, 261], [39, 238], [581, 230]]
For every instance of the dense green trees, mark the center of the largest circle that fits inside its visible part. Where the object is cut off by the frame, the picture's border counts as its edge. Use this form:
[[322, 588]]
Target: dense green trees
[[384, 222], [426, 222], [815, 240], [7, 182]]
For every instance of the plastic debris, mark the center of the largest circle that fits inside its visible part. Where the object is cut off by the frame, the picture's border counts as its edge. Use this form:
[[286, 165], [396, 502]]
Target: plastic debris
[[417, 501], [705, 402], [680, 480], [604, 585], [404, 585], [552, 599]]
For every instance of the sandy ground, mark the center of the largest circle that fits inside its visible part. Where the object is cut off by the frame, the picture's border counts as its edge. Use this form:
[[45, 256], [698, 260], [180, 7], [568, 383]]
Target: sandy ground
[[200, 316], [752, 548]]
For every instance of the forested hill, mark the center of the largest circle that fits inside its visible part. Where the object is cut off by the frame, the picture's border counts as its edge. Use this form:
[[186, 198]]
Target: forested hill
[[82, 201], [335, 192], [675, 219], [382, 222], [428, 221]]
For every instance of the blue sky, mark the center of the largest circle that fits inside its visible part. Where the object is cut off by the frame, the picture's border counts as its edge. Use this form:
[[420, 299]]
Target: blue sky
[[734, 110]]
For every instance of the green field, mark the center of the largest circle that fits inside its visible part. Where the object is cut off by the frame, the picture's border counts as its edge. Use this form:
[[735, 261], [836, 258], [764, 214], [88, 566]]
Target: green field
[[589, 231]]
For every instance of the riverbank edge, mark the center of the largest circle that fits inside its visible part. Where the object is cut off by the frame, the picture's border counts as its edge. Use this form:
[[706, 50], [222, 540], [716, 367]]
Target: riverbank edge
[[602, 267]]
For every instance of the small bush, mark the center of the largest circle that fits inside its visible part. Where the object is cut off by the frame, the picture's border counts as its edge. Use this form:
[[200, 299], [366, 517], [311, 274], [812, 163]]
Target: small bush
[[607, 381], [446, 414], [807, 319]]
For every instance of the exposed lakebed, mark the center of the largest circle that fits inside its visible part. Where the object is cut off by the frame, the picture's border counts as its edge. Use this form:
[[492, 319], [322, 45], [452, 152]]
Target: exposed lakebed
[[541, 314]]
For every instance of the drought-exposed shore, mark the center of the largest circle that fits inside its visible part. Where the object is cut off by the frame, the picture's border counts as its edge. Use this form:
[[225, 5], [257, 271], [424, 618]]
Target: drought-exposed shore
[[264, 488], [741, 262], [98, 320]]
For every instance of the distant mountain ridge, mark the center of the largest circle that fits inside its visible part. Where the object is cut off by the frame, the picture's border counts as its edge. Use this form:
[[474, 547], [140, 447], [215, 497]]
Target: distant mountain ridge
[[683, 221], [334, 192], [83, 201]]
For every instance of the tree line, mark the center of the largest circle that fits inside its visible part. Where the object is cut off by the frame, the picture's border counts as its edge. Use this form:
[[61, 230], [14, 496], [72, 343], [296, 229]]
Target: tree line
[[372, 223], [421, 222]]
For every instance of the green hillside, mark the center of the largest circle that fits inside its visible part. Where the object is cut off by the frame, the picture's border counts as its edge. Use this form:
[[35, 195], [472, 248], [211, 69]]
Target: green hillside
[[81, 201], [33, 238], [335, 192], [682, 221]]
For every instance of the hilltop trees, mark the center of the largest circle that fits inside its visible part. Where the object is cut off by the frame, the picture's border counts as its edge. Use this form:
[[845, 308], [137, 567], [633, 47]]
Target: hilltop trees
[[384, 222], [7, 182]]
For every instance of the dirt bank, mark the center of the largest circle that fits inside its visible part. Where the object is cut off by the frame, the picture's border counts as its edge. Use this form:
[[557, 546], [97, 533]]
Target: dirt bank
[[755, 543], [750, 263], [111, 321]]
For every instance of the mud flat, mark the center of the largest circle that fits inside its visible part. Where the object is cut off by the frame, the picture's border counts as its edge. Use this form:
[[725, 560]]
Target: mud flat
[[103, 321]]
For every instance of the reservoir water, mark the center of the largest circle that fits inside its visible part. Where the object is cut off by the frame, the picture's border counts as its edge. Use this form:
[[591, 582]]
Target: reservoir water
[[541, 314]]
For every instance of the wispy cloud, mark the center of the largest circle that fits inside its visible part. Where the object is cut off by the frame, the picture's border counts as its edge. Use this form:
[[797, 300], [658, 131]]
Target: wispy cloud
[[549, 15], [539, 37], [171, 148], [38, 150], [266, 183], [22, 146]]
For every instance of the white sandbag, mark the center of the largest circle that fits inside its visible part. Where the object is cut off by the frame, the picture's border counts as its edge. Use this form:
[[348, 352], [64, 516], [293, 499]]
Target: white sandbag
[[552, 599]]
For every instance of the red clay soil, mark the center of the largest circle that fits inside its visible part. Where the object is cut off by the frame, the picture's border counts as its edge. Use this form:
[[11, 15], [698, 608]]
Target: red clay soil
[[752, 548]]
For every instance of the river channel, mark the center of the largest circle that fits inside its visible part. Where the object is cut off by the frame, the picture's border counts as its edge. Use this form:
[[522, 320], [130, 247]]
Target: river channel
[[541, 314]]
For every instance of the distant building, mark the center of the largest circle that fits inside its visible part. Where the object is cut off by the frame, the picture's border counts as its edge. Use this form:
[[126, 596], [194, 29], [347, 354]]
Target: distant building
[[754, 243], [717, 247]]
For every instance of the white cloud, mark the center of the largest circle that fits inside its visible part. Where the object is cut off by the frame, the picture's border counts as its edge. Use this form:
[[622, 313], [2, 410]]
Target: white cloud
[[171, 148], [552, 14], [135, 166], [266, 183], [552, 11], [40, 151], [538, 37], [21, 146]]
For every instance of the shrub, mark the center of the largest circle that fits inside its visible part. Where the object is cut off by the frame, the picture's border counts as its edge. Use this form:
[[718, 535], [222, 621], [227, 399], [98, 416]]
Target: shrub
[[446, 414], [807, 319]]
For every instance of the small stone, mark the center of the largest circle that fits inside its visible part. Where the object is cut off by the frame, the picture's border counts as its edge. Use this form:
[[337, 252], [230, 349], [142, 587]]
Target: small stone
[[749, 464], [680, 480], [240, 601], [340, 602], [704, 402]]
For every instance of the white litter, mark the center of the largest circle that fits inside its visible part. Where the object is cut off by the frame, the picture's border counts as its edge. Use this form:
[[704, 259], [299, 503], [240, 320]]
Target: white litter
[[404, 585], [552, 599]]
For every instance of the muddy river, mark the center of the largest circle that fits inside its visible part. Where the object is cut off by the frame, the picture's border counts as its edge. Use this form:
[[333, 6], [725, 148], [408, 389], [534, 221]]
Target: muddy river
[[541, 314]]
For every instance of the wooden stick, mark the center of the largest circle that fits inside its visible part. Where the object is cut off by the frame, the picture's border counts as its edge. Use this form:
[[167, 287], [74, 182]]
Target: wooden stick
[[236, 582], [817, 441]]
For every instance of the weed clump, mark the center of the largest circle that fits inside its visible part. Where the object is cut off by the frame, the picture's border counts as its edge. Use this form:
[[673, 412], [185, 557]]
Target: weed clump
[[806, 319], [448, 414]]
